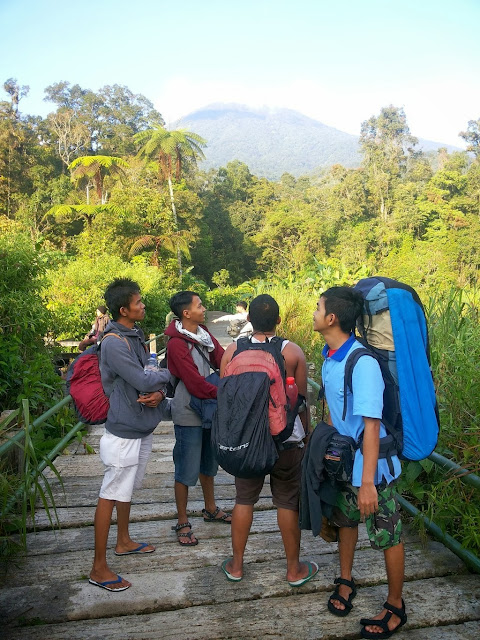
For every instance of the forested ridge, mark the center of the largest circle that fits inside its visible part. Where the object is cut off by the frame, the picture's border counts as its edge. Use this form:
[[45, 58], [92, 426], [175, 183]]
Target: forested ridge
[[274, 141], [83, 184]]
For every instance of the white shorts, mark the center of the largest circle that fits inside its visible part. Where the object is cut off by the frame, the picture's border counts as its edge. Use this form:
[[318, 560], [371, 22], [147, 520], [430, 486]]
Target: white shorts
[[125, 461]]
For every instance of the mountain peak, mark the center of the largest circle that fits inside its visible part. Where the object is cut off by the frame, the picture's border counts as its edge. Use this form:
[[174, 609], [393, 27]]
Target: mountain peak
[[272, 141]]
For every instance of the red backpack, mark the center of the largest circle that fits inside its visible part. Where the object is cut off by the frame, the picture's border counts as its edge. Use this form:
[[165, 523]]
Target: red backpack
[[84, 384], [265, 356]]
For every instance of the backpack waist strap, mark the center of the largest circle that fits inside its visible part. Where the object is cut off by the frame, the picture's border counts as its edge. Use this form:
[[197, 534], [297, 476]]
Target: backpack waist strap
[[386, 451]]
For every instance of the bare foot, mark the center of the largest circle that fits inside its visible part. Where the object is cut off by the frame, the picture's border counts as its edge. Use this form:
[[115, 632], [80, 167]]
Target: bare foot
[[117, 583], [133, 547], [186, 537], [343, 591], [392, 620]]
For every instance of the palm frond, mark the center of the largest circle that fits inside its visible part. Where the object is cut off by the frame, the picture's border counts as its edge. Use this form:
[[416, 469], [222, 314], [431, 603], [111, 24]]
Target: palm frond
[[145, 242]]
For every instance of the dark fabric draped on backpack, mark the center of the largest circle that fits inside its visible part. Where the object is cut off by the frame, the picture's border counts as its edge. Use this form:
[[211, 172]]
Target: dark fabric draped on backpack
[[241, 439]]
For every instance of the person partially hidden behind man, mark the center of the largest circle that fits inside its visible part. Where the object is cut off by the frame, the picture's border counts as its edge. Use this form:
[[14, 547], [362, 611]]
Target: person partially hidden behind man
[[286, 474], [238, 319], [191, 352], [136, 407], [371, 495], [98, 327]]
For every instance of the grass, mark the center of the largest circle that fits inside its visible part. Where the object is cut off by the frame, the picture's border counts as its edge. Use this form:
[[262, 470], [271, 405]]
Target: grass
[[23, 488]]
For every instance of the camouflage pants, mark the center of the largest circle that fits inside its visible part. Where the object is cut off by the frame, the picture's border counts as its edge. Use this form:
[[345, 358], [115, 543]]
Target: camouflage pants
[[384, 527]]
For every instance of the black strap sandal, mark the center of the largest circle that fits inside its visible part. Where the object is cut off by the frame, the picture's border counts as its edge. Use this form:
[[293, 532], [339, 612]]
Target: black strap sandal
[[186, 534], [383, 622], [208, 516], [341, 613]]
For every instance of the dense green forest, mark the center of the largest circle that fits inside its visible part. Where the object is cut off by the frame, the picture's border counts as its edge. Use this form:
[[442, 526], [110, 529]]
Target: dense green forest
[[100, 188], [97, 178]]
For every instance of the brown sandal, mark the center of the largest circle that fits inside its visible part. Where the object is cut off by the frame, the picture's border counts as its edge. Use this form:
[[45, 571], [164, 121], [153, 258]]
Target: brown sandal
[[186, 534]]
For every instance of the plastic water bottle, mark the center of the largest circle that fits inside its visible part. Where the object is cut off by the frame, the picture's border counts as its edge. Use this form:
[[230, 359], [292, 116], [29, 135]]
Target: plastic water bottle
[[291, 391], [152, 364]]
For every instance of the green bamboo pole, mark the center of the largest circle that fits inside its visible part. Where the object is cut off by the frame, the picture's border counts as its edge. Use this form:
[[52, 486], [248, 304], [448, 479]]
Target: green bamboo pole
[[44, 463], [40, 420], [457, 471], [469, 558]]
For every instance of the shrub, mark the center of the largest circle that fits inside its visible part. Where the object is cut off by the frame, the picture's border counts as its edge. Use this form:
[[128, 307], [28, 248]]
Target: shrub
[[26, 368], [73, 292]]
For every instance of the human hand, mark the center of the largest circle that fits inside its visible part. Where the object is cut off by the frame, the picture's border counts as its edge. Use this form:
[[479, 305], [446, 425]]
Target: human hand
[[152, 399], [367, 500]]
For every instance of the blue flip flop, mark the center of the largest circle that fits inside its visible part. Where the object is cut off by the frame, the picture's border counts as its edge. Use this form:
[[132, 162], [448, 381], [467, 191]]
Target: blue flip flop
[[139, 549], [228, 574], [312, 572], [104, 585]]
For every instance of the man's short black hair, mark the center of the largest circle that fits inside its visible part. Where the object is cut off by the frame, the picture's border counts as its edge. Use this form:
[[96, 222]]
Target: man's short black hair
[[119, 293], [241, 303], [180, 301], [264, 313], [346, 304]]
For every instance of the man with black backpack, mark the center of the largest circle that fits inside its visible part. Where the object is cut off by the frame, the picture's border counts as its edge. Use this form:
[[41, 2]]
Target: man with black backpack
[[286, 473], [370, 496], [191, 352]]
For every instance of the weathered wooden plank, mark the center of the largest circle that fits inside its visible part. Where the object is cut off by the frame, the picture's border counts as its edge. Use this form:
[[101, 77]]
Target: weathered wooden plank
[[80, 516], [270, 617], [87, 496], [463, 631], [44, 542], [265, 577], [73, 563]]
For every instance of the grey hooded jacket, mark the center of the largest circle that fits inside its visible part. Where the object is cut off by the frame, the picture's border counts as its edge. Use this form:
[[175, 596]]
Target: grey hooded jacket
[[122, 364]]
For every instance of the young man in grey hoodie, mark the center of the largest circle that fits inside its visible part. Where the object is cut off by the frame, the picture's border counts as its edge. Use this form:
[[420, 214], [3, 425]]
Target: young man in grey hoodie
[[137, 405]]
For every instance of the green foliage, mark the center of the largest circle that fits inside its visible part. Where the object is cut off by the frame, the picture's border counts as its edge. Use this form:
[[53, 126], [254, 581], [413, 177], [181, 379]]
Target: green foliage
[[76, 289], [21, 489], [223, 298], [26, 368], [455, 351], [472, 136]]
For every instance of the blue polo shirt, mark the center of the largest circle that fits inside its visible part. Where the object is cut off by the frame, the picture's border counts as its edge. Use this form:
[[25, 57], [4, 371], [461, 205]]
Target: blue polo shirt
[[365, 401]]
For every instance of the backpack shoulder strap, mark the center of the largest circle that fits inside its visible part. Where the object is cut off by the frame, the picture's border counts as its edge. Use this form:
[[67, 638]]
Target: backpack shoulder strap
[[352, 360], [243, 344], [198, 348], [116, 335]]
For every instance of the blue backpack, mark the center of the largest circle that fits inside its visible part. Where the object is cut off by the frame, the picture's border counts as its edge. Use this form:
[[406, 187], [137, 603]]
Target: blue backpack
[[393, 330]]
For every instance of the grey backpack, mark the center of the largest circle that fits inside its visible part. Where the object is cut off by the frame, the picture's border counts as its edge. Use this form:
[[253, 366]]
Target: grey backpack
[[236, 326]]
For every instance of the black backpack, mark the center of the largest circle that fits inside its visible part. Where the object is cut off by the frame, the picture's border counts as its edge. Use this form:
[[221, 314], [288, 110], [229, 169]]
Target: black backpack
[[240, 431]]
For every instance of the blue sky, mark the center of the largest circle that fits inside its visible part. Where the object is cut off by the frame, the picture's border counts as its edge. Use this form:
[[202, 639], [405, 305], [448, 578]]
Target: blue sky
[[338, 62]]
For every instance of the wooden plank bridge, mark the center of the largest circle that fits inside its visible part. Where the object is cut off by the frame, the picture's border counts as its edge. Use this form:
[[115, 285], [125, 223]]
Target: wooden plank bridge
[[182, 592]]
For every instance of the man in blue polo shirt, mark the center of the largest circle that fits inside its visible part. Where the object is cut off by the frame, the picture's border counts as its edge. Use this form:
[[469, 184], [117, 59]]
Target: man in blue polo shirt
[[371, 494]]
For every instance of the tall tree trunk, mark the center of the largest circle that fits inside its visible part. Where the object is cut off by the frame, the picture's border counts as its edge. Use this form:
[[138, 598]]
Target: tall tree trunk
[[175, 222]]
